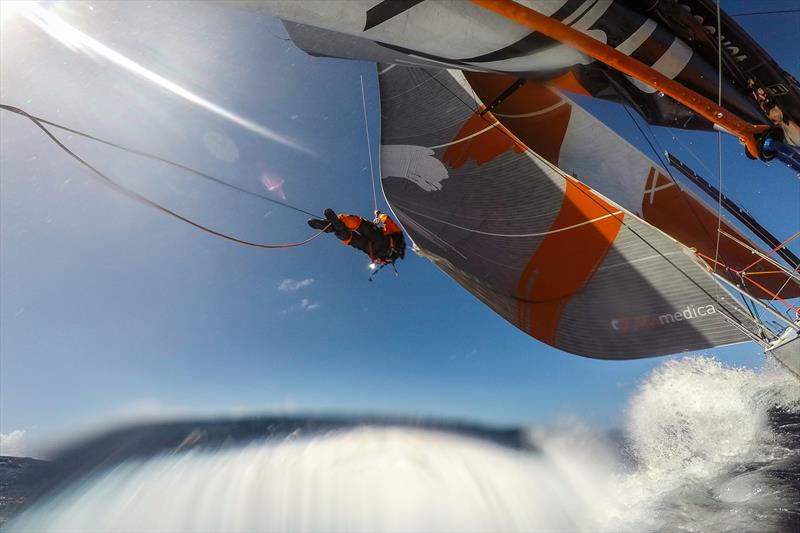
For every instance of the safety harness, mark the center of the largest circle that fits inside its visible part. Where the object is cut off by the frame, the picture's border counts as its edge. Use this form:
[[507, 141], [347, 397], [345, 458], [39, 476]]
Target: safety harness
[[395, 252]]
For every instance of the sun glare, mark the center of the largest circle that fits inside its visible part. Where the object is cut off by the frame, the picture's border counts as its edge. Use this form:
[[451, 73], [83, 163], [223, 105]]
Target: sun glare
[[11, 10], [77, 41]]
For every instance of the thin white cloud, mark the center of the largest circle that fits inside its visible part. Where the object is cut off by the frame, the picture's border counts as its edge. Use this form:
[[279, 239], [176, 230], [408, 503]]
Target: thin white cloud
[[77, 41], [13, 444], [304, 305], [292, 285]]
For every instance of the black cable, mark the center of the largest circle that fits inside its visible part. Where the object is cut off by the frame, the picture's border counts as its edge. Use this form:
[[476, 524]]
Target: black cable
[[646, 138], [147, 155], [764, 13], [450, 91], [143, 199], [665, 166]]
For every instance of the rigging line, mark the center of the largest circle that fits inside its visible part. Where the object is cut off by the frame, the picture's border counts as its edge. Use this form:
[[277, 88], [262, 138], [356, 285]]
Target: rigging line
[[154, 157], [666, 167], [769, 309], [764, 13], [692, 153], [781, 300], [646, 138], [516, 235], [777, 294], [783, 244], [746, 303], [369, 146], [765, 256], [151, 203], [751, 307], [719, 133], [445, 87]]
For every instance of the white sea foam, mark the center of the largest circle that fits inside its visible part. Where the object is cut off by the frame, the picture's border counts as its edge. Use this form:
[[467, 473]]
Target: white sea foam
[[695, 426], [691, 424]]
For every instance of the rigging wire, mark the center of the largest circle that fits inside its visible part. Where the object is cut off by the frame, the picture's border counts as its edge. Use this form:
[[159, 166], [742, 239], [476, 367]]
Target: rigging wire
[[689, 206], [719, 133], [692, 153], [779, 291], [154, 157], [476, 109], [369, 146], [753, 310], [646, 138], [143, 199], [782, 12]]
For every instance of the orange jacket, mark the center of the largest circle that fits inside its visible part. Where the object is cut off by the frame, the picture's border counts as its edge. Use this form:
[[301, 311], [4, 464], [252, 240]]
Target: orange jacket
[[389, 227], [351, 222]]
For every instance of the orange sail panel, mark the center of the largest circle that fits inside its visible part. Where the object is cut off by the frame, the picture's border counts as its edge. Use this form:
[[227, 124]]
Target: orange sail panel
[[582, 234], [479, 141]]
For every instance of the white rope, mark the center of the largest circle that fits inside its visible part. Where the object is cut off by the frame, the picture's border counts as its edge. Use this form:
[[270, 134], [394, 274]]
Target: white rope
[[369, 146], [719, 134], [518, 235]]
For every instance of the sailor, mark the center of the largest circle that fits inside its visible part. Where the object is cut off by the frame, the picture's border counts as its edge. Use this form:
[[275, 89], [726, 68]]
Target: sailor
[[380, 239]]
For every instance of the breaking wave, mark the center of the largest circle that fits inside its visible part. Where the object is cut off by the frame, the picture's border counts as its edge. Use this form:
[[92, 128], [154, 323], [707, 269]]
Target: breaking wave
[[707, 447], [716, 449]]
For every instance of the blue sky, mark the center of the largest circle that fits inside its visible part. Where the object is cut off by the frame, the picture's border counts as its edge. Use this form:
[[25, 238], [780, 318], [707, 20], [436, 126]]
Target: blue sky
[[110, 309]]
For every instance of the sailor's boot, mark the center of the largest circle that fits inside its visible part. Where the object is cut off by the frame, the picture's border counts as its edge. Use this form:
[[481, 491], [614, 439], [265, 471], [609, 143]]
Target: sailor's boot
[[341, 231], [320, 225]]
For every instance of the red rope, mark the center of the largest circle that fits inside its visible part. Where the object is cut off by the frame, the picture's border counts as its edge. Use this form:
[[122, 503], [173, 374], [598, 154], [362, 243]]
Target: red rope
[[754, 282], [754, 263], [723, 265], [774, 296], [781, 245]]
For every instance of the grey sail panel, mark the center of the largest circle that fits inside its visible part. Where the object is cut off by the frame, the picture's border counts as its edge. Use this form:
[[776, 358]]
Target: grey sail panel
[[550, 255], [655, 296]]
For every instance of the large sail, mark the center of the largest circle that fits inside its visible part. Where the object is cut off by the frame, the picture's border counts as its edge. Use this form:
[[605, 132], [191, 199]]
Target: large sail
[[549, 254], [562, 132]]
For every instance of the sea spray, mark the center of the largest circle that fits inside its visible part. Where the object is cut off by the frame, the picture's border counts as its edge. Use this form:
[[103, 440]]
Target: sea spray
[[694, 427], [705, 450]]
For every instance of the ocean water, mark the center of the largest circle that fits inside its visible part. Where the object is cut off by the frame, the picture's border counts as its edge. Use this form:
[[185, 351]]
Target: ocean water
[[706, 448]]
